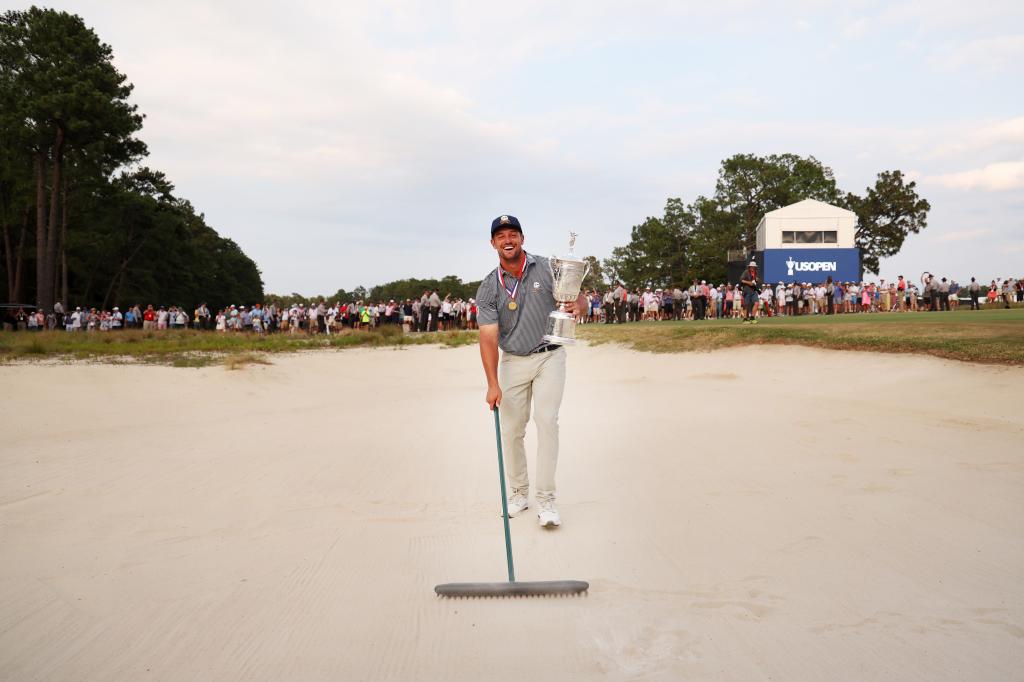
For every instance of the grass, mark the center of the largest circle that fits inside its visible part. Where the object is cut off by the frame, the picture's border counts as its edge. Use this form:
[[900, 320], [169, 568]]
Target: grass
[[187, 348], [987, 336]]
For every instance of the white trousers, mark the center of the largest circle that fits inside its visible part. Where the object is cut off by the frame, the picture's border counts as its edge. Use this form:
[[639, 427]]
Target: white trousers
[[538, 378]]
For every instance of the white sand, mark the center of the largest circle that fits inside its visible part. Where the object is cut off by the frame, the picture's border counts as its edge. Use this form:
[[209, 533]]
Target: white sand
[[765, 513]]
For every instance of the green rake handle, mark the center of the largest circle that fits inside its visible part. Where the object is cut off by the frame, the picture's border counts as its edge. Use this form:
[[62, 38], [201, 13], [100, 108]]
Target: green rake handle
[[504, 498]]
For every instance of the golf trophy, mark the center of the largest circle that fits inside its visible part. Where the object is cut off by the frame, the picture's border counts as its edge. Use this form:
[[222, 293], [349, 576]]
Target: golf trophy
[[567, 275]]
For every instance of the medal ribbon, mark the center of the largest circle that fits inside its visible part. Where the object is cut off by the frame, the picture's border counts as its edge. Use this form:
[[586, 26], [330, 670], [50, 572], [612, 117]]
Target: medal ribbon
[[514, 290]]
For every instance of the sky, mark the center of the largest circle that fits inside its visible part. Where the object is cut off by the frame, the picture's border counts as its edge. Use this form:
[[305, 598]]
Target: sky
[[345, 144]]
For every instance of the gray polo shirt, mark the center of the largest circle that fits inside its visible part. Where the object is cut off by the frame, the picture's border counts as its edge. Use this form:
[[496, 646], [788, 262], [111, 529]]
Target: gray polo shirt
[[520, 331]]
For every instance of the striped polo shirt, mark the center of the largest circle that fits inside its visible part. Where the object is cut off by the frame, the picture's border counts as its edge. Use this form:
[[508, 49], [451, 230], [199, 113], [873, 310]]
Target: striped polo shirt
[[520, 331]]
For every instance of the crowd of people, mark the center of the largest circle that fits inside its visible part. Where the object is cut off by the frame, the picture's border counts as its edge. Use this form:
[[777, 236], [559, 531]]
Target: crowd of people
[[702, 300], [429, 313], [619, 304]]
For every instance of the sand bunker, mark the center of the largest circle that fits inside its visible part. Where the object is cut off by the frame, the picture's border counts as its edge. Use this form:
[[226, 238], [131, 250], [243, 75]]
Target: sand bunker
[[779, 513]]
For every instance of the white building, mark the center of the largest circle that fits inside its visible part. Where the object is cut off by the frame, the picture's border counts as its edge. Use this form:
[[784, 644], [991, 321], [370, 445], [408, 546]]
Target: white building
[[807, 224]]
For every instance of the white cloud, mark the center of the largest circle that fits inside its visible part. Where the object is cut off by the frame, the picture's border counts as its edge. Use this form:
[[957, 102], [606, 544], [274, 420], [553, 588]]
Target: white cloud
[[987, 55], [965, 235], [994, 177], [982, 138], [855, 29]]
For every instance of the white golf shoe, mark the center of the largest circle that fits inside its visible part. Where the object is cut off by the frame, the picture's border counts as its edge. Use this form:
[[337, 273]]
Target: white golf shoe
[[547, 515], [517, 503]]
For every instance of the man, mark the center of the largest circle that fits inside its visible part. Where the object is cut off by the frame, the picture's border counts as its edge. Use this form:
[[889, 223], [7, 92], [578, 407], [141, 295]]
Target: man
[[203, 313], [749, 286], [695, 298], [609, 307], [435, 310], [513, 303], [677, 303], [620, 299], [321, 317], [944, 295]]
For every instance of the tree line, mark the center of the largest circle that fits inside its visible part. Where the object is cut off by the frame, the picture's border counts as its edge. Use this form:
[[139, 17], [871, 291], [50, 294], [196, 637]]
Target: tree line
[[82, 221], [398, 290], [691, 240]]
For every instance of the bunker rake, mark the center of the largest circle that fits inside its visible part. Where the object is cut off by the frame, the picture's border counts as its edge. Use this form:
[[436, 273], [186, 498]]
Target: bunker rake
[[512, 588]]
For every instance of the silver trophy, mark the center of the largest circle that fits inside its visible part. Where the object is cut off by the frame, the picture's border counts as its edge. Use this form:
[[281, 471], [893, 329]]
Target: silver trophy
[[567, 275]]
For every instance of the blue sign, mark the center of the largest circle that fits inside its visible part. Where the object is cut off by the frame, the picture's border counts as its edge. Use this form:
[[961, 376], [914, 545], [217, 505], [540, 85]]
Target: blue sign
[[811, 265]]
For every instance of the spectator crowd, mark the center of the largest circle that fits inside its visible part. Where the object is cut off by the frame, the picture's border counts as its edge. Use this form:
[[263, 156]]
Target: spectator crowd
[[701, 300], [616, 304], [429, 313]]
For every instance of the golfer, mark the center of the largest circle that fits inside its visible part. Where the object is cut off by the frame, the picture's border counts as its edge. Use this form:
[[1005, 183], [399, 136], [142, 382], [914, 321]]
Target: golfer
[[748, 283], [513, 303]]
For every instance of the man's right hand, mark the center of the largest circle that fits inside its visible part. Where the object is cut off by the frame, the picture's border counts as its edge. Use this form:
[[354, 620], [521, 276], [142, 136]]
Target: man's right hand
[[493, 398]]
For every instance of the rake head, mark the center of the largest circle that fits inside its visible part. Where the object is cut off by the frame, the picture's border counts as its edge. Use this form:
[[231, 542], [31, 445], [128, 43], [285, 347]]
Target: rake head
[[513, 589]]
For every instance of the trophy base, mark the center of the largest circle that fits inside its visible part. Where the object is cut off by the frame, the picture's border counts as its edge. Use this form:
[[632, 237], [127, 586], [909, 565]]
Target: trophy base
[[561, 329]]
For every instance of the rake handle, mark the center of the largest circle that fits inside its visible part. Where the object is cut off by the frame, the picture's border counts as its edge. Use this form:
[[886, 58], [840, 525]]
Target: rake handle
[[504, 497]]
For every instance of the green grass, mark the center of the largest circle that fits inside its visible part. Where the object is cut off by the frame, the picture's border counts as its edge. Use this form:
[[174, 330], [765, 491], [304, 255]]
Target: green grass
[[187, 348], [987, 336]]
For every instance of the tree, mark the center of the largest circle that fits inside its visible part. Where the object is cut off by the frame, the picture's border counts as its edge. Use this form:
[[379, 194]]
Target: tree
[[61, 98], [749, 186], [692, 241], [594, 281], [656, 253], [886, 214], [716, 231], [104, 233]]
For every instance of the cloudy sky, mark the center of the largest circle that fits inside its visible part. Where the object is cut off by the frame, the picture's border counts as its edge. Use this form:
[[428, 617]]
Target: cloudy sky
[[355, 143]]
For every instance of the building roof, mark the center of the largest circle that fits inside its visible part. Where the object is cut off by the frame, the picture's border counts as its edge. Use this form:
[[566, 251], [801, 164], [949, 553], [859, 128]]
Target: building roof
[[810, 208]]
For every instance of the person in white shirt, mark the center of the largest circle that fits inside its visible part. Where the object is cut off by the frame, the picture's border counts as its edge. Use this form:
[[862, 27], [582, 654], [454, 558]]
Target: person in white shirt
[[446, 314], [766, 301], [314, 323]]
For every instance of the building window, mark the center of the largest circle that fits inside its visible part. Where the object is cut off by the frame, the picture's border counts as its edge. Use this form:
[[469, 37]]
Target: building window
[[810, 237]]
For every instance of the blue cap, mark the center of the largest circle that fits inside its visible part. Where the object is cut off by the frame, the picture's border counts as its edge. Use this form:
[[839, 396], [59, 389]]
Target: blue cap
[[505, 221]]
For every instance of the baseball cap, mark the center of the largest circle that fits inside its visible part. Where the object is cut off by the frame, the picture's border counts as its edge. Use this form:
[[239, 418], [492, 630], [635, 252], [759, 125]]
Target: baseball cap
[[505, 221], [752, 264]]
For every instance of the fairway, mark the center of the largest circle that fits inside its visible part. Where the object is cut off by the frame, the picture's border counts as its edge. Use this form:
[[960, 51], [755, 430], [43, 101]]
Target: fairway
[[986, 336]]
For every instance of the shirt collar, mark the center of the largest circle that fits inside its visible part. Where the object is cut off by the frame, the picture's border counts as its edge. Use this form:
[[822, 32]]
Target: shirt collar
[[530, 260]]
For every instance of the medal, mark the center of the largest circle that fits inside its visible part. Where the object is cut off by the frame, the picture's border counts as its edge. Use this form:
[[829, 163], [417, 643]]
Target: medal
[[512, 305]]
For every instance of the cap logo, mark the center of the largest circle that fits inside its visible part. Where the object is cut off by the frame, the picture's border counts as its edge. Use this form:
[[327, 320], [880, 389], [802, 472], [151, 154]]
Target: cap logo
[[504, 220]]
